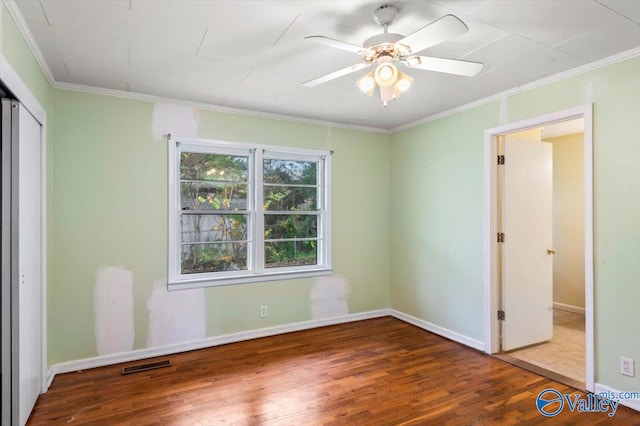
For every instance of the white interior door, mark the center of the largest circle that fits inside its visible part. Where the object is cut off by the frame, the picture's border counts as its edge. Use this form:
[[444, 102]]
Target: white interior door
[[527, 267], [30, 262]]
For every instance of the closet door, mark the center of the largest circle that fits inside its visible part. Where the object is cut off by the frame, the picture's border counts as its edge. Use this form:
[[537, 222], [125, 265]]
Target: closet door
[[29, 260], [22, 254]]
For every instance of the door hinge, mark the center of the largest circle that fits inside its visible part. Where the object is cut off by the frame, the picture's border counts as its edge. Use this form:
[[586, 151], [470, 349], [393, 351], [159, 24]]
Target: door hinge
[[501, 315], [500, 160], [501, 237]]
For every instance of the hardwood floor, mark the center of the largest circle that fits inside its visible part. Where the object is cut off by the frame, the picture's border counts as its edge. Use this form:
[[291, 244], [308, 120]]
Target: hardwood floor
[[375, 372]]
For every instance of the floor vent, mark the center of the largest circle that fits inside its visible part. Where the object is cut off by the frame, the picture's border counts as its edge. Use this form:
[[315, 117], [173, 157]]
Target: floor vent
[[145, 367]]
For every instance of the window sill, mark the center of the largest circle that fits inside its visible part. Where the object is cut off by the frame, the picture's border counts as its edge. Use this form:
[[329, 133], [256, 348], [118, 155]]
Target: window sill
[[244, 279]]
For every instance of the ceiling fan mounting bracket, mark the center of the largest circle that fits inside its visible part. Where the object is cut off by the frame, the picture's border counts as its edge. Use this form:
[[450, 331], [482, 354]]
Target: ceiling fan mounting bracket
[[385, 15]]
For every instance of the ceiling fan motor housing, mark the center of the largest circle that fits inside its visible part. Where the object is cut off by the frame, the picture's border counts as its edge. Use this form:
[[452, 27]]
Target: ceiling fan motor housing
[[383, 46]]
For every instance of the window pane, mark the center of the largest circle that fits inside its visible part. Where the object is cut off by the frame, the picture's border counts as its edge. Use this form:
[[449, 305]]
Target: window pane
[[204, 228], [201, 258], [279, 226], [290, 253], [212, 196], [287, 171], [290, 198], [200, 166]]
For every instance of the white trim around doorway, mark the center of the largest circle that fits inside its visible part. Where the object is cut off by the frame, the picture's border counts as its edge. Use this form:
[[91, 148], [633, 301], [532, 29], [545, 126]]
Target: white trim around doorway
[[491, 288]]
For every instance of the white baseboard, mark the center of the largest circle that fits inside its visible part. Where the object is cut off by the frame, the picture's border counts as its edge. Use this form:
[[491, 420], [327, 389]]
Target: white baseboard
[[634, 404], [441, 331], [139, 354], [568, 308]]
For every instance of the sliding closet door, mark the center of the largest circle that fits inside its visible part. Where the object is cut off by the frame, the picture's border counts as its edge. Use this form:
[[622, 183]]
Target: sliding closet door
[[29, 260], [5, 251], [22, 283]]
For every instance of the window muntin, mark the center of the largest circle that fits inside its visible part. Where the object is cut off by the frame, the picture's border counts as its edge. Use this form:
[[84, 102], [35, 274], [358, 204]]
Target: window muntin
[[246, 213]]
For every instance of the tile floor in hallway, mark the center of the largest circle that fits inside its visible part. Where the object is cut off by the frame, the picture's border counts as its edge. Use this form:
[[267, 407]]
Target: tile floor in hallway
[[565, 353]]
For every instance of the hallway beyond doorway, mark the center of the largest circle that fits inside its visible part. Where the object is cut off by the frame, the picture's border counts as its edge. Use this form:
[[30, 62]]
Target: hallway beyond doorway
[[564, 354]]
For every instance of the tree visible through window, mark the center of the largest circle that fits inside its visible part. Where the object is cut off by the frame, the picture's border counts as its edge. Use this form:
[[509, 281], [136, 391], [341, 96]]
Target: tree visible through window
[[291, 212], [214, 219], [244, 212]]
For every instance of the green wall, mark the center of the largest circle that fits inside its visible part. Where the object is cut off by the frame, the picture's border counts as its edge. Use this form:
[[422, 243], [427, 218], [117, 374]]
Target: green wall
[[437, 227], [110, 208]]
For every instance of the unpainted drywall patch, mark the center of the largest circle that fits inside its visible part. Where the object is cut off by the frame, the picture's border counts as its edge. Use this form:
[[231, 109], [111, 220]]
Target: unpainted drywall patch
[[175, 317], [329, 297], [113, 310], [504, 111], [178, 120], [591, 90]]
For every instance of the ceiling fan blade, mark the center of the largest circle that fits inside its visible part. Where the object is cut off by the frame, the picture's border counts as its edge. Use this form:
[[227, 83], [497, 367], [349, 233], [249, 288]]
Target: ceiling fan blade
[[336, 43], [436, 32], [449, 66], [336, 74]]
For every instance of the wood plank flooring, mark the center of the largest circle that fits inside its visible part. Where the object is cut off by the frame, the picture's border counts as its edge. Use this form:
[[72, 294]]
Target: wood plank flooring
[[375, 372]]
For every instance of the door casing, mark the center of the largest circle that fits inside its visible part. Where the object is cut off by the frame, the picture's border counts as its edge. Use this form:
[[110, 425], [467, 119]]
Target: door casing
[[491, 285]]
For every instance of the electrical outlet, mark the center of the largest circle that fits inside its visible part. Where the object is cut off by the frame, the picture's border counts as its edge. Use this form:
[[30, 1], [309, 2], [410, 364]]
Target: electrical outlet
[[264, 311], [627, 367]]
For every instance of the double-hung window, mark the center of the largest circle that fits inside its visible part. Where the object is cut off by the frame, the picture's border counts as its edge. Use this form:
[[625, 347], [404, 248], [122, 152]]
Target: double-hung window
[[246, 213]]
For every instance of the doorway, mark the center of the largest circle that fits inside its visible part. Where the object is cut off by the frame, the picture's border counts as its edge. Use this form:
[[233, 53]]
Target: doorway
[[522, 318]]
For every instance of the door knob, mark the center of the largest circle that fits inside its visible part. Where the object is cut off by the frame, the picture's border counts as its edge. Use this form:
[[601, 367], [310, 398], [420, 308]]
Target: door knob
[[551, 251]]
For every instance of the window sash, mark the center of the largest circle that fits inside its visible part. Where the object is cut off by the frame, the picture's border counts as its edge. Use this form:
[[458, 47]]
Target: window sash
[[257, 269]]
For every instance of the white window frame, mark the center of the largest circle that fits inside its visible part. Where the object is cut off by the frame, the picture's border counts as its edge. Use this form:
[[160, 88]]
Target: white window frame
[[256, 271]]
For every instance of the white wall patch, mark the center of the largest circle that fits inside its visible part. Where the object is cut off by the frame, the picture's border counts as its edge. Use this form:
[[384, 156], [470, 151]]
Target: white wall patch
[[175, 317], [329, 297], [591, 90], [113, 310], [504, 111], [179, 120]]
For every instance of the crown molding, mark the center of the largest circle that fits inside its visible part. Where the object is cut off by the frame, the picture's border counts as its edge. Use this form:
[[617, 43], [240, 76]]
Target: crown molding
[[629, 54], [15, 13], [213, 107]]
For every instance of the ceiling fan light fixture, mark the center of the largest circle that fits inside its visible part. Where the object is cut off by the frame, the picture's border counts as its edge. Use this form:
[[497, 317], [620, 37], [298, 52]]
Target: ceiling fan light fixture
[[387, 94], [403, 82], [386, 74], [367, 83]]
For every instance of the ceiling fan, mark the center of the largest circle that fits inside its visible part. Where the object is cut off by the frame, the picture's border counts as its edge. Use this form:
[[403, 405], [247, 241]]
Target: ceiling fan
[[383, 50]]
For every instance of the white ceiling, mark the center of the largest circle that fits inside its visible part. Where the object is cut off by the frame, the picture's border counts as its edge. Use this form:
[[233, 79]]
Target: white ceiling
[[252, 54]]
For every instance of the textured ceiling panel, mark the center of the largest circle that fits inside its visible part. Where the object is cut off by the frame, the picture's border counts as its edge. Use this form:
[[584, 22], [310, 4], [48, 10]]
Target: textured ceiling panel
[[627, 8], [105, 19], [619, 34], [252, 54], [547, 21]]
